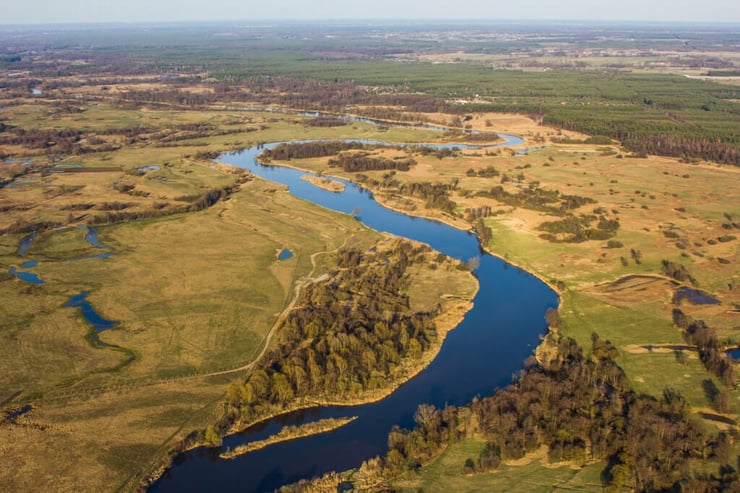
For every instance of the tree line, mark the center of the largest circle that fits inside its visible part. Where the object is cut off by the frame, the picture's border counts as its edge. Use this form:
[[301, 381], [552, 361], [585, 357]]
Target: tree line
[[537, 199], [306, 150], [711, 350], [362, 161]]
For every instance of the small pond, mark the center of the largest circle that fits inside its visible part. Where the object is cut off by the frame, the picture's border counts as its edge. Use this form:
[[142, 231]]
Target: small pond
[[694, 296], [26, 276]]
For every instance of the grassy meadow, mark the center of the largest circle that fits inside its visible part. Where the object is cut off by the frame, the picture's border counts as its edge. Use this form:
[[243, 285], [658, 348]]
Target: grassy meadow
[[194, 295]]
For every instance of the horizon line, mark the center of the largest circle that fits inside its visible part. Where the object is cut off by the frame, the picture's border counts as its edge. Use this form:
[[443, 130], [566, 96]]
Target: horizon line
[[402, 21]]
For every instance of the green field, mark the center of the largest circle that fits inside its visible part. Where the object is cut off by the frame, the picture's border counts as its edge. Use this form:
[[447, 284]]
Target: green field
[[447, 473]]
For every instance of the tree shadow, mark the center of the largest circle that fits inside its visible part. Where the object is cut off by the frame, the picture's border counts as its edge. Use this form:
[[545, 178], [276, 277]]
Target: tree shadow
[[710, 390]]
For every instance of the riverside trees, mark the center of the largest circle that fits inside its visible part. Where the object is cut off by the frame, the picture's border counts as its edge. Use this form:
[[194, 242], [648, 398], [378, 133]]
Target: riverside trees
[[350, 334], [582, 410]]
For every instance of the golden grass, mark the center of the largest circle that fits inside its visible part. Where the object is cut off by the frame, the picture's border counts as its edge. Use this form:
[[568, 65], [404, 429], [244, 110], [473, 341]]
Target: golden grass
[[194, 297], [196, 294], [325, 183]]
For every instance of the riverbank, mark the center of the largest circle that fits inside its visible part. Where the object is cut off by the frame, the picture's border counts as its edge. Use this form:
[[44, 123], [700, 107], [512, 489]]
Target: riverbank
[[481, 340], [393, 202]]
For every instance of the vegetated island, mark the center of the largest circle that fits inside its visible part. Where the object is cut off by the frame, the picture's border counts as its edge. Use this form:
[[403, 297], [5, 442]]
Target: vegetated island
[[289, 433], [325, 183]]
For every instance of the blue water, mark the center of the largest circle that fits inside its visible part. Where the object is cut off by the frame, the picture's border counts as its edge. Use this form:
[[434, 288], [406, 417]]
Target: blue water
[[144, 169], [26, 276], [11, 416], [29, 265], [98, 323], [481, 355], [694, 296], [285, 255], [92, 238], [26, 243], [734, 353]]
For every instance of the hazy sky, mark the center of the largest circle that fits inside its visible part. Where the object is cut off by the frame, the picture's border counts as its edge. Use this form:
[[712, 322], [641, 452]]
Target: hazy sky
[[65, 11]]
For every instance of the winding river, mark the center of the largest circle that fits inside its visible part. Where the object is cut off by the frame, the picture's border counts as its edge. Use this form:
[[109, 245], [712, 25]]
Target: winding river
[[481, 355]]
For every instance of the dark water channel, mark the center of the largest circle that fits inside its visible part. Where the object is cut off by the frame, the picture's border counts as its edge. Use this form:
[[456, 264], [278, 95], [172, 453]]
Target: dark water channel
[[482, 354], [92, 238], [26, 243], [99, 324]]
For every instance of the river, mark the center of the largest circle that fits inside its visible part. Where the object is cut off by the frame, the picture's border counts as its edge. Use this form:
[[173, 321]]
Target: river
[[479, 356]]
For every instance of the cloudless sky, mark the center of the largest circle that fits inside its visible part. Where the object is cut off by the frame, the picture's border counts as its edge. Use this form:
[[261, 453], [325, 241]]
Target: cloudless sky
[[69, 11]]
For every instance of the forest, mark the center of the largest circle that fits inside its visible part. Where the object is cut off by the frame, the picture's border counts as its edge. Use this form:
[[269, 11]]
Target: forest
[[581, 409], [347, 337]]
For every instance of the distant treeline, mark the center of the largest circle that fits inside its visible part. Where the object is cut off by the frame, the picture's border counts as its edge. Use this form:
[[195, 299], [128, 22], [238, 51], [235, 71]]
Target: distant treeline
[[362, 161], [306, 150], [649, 113], [72, 141]]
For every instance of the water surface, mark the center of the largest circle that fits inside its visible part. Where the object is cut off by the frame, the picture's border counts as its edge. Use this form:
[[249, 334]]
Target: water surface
[[26, 243], [481, 355], [98, 323], [29, 277], [694, 296], [92, 238]]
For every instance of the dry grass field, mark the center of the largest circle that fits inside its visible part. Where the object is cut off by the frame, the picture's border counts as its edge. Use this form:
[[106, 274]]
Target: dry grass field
[[194, 295]]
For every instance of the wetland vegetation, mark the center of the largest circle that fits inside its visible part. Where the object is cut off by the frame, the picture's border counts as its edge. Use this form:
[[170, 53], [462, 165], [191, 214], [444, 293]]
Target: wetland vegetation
[[620, 197]]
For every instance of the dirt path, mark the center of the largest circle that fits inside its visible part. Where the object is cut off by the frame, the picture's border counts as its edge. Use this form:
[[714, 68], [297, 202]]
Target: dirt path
[[280, 319]]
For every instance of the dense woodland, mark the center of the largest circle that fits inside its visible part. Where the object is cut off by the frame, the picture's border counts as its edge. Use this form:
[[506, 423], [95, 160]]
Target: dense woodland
[[581, 409], [349, 334], [305, 150], [354, 162]]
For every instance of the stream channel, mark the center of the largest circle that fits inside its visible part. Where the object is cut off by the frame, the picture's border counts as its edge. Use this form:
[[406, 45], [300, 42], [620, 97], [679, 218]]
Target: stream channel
[[482, 354]]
